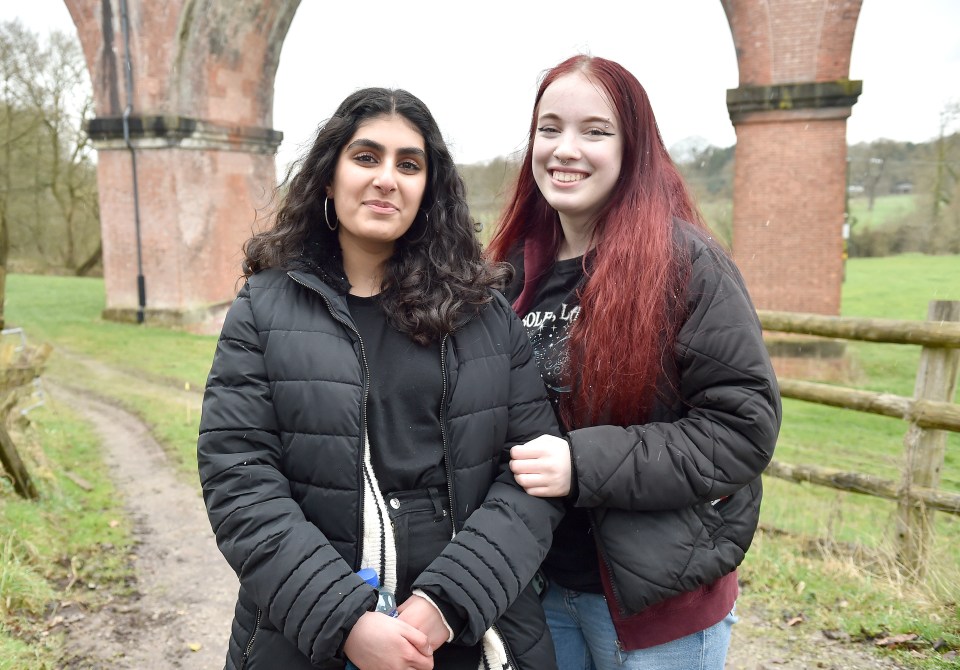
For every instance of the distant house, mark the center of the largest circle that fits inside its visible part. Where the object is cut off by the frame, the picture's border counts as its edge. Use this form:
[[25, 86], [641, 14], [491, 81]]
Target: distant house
[[902, 187]]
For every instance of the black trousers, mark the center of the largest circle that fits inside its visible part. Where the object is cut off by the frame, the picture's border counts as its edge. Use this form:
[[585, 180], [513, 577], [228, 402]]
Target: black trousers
[[422, 527]]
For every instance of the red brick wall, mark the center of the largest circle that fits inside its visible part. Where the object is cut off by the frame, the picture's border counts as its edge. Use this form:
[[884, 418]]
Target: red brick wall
[[196, 210], [790, 168], [788, 213]]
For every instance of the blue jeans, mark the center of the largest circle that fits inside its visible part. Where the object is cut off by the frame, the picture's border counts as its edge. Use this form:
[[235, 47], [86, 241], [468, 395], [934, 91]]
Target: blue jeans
[[585, 639]]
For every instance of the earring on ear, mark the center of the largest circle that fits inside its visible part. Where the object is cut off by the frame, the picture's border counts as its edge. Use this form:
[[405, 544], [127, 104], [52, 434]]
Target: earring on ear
[[326, 217]]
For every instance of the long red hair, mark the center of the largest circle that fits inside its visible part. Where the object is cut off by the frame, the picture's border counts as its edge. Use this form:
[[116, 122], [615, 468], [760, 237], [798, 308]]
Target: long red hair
[[630, 306]]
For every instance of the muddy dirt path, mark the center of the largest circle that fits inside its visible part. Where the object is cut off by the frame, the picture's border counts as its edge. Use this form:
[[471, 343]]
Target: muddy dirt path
[[181, 615]]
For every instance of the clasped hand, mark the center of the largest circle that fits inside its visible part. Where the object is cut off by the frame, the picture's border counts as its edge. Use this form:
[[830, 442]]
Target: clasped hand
[[405, 642], [542, 466]]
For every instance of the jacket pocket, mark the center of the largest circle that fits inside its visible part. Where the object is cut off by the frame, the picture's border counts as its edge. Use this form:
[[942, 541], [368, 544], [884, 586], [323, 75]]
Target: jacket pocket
[[270, 650], [710, 517], [249, 646]]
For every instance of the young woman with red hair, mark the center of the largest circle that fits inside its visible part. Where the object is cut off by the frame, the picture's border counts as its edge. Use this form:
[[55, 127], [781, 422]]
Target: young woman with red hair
[[652, 355]]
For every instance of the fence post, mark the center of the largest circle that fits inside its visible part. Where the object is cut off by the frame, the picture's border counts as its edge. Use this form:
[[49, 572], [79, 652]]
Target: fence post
[[924, 448]]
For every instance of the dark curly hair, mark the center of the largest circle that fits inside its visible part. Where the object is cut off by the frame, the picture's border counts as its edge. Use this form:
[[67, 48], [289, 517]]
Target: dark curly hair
[[437, 277]]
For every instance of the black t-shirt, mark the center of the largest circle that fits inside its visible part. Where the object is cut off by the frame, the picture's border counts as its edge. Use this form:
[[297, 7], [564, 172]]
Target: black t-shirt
[[403, 407], [572, 561], [406, 445], [555, 306]]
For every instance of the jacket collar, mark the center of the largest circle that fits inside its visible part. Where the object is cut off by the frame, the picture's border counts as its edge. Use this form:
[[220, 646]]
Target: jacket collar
[[335, 299]]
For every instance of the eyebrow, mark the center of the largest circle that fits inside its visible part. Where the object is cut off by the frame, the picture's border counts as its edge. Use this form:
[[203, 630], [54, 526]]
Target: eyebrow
[[589, 119], [376, 146]]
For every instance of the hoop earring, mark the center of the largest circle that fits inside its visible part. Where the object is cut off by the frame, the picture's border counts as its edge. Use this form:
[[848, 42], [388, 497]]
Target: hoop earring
[[326, 217]]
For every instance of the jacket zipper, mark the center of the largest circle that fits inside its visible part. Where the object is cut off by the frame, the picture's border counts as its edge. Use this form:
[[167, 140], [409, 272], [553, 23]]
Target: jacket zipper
[[511, 661], [606, 566], [253, 636], [443, 438], [443, 433], [363, 423]]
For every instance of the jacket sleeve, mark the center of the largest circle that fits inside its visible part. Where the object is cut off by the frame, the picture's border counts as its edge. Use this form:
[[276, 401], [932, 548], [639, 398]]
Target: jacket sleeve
[[494, 557], [297, 579], [729, 418]]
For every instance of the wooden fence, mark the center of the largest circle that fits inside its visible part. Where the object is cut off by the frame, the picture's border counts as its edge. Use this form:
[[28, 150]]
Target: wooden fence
[[929, 414]]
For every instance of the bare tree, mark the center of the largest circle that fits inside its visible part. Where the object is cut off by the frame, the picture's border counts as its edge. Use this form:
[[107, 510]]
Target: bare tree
[[16, 129], [48, 197], [57, 88]]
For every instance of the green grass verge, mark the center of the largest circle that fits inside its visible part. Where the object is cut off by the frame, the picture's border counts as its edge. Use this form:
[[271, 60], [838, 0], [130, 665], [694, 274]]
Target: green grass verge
[[834, 565], [66, 311], [171, 413], [149, 371], [71, 544]]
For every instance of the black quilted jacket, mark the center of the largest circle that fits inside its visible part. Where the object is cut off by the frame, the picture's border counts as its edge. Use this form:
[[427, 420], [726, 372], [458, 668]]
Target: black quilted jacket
[[674, 502], [281, 457]]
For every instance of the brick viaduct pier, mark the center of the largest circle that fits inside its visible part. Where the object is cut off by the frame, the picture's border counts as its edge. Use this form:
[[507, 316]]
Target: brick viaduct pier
[[183, 97]]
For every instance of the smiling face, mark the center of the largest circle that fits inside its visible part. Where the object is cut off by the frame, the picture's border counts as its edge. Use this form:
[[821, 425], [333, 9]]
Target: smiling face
[[577, 149], [378, 184]]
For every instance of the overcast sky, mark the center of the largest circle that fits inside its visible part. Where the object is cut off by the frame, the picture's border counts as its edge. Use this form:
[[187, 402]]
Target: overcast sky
[[477, 68]]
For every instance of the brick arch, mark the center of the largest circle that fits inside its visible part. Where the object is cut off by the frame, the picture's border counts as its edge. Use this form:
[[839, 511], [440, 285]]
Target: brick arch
[[238, 44], [202, 139], [207, 59], [790, 41]]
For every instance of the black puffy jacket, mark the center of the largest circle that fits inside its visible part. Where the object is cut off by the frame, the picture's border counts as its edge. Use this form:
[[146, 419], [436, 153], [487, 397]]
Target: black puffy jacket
[[674, 502], [281, 457]]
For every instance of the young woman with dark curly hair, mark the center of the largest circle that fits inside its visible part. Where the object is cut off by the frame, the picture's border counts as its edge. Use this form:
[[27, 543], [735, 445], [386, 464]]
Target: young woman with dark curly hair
[[366, 389], [653, 357]]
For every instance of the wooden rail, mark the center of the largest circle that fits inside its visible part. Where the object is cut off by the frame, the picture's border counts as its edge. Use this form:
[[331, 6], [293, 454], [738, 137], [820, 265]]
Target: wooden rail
[[945, 334], [925, 413], [929, 414]]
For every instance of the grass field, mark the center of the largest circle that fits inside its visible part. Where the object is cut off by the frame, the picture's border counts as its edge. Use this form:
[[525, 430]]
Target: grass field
[[824, 555], [886, 209], [898, 287], [837, 564]]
